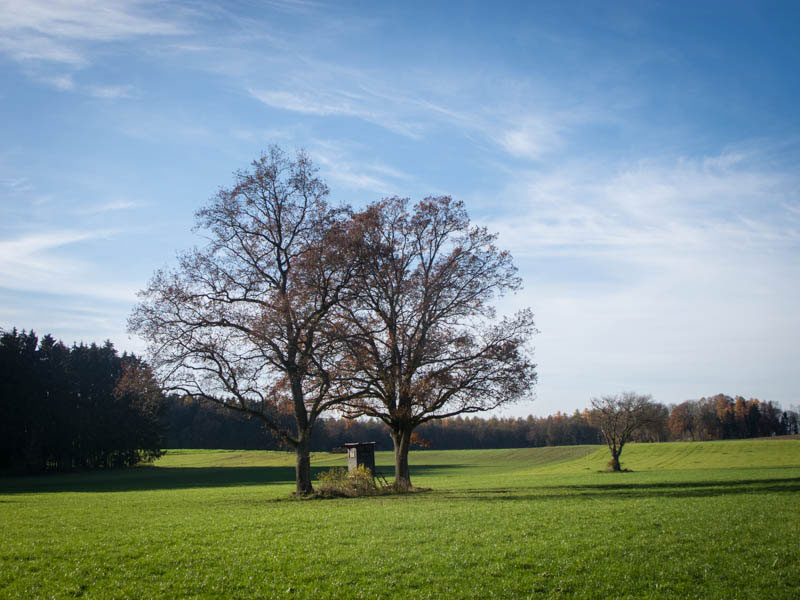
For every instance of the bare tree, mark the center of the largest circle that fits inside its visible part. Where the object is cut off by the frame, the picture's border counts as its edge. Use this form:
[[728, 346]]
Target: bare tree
[[621, 417], [244, 321], [424, 338]]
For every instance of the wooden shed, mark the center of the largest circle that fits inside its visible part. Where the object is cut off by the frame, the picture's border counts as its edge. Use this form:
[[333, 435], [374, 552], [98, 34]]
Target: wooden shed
[[361, 453]]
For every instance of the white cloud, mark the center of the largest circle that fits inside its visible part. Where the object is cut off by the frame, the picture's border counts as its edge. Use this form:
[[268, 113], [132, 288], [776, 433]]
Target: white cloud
[[267, 135], [532, 138], [337, 166], [64, 83], [24, 46], [155, 127], [417, 104], [17, 184], [293, 6], [649, 205], [38, 263], [105, 207], [319, 101], [67, 83], [111, 92], [304, 103], [53, 30], [29, 263]]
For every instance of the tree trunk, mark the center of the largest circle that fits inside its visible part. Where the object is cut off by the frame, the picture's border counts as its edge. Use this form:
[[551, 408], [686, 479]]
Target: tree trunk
[[402, 442], [303, 447], [614, 463], [303, 469]]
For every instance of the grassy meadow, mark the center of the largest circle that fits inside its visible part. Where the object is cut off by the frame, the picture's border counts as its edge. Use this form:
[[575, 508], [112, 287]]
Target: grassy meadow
[[692, 520]]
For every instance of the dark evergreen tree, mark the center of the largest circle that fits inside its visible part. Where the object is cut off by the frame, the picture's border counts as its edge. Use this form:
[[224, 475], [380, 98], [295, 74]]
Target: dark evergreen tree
[[84, 407]]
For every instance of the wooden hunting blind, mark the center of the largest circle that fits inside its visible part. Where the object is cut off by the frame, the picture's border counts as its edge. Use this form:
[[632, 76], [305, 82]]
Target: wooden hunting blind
[[361, 453]]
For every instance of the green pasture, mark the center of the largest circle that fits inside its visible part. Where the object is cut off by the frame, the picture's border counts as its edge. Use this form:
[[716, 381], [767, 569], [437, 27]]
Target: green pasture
[[691, 520]]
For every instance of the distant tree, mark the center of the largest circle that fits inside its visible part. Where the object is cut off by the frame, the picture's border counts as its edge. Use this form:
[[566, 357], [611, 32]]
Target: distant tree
[[726, 421], [682, 422], [621, 417], [658, 428], [793, 421], [741, 419], [707, 423], [769, 419], [244, 321], [424, 342], [137, 399]]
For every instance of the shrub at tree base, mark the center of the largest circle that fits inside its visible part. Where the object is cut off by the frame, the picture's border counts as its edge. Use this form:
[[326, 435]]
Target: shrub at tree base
[[339, 482]]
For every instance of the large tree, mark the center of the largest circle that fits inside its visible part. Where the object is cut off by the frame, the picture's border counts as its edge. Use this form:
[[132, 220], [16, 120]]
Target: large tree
[[425, 342], [244, 320], [621, 417]]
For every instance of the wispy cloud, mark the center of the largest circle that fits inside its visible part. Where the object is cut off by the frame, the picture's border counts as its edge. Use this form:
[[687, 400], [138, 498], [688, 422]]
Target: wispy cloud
[[24, 248], [27, 46], [265, 135], [28, 261], [688, 203], [111, 92], [154, 127], [65, 83], [294, 6], [106, 207], [423, 103], [319, 101], [54, 30], [38, 263], [68, 83], [532, 138], [339, 167], [17, 184], [305, 103]]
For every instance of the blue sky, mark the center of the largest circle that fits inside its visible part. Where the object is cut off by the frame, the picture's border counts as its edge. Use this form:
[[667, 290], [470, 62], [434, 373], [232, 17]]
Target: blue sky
[[639, 159]]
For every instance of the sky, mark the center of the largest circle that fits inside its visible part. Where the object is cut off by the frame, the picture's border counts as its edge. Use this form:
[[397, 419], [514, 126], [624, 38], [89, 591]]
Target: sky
[[640, 160]]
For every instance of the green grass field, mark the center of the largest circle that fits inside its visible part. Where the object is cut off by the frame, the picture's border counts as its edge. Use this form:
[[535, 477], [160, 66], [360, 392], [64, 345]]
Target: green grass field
[[693, 520]]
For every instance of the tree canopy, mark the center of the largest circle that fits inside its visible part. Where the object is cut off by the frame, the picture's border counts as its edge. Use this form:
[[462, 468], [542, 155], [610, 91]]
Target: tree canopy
[[243, 321], [295, 307], [621, 417], [423, 336]]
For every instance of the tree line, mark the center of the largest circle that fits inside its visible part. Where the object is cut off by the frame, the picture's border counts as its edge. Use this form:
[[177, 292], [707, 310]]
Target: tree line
[[191, 424], [63, 408], [722, 417], [88, 407]]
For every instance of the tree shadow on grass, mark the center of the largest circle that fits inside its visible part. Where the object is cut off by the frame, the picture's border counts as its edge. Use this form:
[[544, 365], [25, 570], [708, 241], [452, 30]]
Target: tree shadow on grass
[[149, 478], [684, 489]]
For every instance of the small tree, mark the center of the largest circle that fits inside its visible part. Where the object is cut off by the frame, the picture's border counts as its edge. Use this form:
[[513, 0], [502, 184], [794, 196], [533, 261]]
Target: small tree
[[244, 321], [423, 336], [620, 417]]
